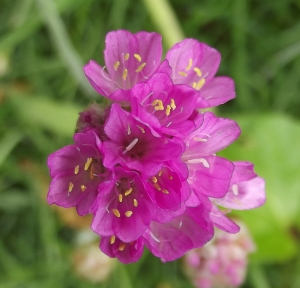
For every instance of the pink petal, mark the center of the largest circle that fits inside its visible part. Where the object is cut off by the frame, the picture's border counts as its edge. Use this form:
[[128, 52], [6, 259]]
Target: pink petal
[[218, 91]]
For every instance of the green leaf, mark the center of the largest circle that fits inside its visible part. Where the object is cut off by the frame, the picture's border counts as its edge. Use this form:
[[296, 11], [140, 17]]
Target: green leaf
[[59, 118]]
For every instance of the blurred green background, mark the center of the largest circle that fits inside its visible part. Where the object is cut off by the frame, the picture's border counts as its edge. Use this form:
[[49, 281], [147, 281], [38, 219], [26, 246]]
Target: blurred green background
[[43, 46]]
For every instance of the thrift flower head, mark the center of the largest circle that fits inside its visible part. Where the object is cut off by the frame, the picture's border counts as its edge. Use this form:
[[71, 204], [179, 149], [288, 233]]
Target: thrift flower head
[[222, 262], [146, 166]]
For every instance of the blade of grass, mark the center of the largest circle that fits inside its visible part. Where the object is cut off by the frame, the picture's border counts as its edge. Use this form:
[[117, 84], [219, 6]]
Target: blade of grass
[[8, 143], [166, 21], [63, 44]]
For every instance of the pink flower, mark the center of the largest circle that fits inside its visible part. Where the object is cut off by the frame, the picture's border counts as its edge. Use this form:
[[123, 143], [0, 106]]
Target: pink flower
[[134, 144], [129, 58], [222, 262], [77, 170], [195, 64]]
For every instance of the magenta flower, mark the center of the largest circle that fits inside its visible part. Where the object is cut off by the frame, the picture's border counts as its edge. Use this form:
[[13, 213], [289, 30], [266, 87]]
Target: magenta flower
[[129, 58], [123, 207], [77, 170], [135, 145], [195, 64]]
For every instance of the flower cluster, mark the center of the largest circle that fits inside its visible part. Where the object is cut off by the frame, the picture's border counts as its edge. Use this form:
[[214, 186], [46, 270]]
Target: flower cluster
[[146, 166]]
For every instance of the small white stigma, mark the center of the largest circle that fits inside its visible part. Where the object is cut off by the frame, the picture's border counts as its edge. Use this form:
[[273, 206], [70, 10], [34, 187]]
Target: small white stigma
[[131, 145]]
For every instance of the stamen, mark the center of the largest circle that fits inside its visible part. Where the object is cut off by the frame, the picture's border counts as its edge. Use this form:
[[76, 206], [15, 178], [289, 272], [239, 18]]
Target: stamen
[[199, 139], [169, 124], [198, 72], [154, 179], [122, 246], [200, 160], [131, 145], [158, 105], [183, 74], [116, 66], [172, 104], [160, 172], [135, 203], [137, 57], [157, 186], [120, 197], [140, 68], [126, 57], [194, 85], [165, 191], [71, 186], [168, 110], [88, 163], [235, 189], [170, 177], [116, 212], [200, 83], [112, 239], [127, 192], [125, 73], [82, 187], [128, 213], [76, 170], [189, 66], [141, 128], [92, 172]]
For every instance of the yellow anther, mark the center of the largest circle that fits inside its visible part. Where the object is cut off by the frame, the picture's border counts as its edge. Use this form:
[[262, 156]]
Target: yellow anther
[[165, 191], [194, 85], [198, 72], [158, 105], [116, 212], [126, 57], [76, 170], [122, 246], [154, 179], [181, 73], [137, 57], [112, 239], [127, 192], [125, 73], [200, 83], [157, 186], [135, 203], [71, 186], [141, 67], [82, 187], [168, 110], [160, 172], [120, 197], [141, 128], [128, 213], [189, 66], [172, 104], [88, 163], [116, 65], [92, 172]]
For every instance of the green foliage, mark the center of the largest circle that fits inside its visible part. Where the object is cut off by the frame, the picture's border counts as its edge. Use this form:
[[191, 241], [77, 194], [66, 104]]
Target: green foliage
[[43, 45]]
